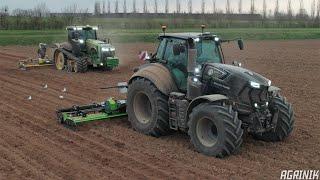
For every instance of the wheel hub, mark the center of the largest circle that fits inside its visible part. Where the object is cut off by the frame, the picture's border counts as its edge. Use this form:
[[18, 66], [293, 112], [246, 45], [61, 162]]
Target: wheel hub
[[142, 108], [207, 132]]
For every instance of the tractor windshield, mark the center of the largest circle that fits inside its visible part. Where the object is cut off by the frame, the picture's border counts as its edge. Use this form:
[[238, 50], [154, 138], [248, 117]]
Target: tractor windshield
[[208, 52], [88, 34]]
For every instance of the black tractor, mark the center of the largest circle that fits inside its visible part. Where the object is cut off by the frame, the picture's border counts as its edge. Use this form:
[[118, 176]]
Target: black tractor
[[186, 86]]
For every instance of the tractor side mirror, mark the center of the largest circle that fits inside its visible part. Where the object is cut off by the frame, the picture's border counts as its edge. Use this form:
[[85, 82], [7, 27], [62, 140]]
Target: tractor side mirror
[[240, 44]]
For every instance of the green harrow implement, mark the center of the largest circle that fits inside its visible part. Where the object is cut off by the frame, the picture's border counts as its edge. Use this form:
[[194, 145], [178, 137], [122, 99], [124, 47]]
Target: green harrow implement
[[77, 115]]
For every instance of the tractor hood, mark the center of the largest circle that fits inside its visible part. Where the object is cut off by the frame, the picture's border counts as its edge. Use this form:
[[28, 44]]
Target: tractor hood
[[240, 85], [241, 73]]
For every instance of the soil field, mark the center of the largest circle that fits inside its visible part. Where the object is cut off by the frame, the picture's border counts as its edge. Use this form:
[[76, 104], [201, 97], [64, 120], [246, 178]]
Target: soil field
[[34, 146]]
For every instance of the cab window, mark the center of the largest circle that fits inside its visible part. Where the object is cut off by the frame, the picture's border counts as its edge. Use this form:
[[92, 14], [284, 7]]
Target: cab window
[[208, 52], [176, 59]]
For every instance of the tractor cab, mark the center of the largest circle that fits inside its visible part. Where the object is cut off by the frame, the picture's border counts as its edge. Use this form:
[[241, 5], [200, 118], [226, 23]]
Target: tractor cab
[[174, 48], [82, 33]]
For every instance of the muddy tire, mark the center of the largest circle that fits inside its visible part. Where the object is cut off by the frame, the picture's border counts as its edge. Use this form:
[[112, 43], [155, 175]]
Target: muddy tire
[[215, 130], [285, 121], [81, 65], [148, 108], [60, 61]]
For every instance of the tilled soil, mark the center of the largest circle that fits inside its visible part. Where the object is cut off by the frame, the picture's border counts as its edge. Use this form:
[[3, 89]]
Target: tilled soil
[[34, 146]]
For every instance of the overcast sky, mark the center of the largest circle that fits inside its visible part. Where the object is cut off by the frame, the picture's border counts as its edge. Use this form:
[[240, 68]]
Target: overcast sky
[[57, 5]]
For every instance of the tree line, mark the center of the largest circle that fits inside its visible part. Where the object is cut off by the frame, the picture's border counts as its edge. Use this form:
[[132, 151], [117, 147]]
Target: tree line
[[40, 16]]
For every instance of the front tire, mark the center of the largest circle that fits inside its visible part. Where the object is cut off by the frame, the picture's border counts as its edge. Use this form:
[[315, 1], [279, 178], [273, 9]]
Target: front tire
[[148, 108], [285, 121], [215, 130], [81, 65]]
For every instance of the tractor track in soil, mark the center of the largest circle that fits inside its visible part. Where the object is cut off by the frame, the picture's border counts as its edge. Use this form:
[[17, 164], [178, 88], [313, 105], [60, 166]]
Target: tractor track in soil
[[34, 146]]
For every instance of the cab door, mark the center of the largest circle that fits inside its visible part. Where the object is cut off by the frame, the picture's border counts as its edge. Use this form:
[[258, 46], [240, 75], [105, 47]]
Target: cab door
[[176, 56]]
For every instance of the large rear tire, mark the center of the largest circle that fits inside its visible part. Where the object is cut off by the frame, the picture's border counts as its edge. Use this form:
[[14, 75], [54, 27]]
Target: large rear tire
[[148, 108], [215, 130], [285, 121], [59, 61], [81, 65]]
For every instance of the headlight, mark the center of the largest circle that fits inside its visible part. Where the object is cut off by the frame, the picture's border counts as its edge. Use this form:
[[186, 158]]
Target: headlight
[[255, 85], [108, 49], [81, 41], [105, 49]]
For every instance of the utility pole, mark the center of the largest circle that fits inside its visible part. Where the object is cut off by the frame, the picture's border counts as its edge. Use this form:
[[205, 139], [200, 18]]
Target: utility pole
[[240, 7], [214, 7]]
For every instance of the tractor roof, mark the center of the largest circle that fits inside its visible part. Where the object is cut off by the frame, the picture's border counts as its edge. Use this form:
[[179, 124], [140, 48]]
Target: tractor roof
[[186, 36], [87, 27]]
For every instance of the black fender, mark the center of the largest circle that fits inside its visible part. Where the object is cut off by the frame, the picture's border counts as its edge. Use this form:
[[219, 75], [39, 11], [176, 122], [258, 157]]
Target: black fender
[[202, 99], [159, 75]]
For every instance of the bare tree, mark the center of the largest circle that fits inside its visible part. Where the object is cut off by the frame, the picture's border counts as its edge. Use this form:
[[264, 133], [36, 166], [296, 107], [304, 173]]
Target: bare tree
[[103, 7], [252, 8], [190, 6], [276, 9], [145, 7], [97, 9], [240, 7], [109, 7], [214, 7], [178, 6], [69, 14], [228, 10], [313, 9], [4, 13], [155, 6], [134, 8], [124, 6], [318, 11], [264, 9], [203, 5], [167, 7], [289, 12], [301, 10], [116, 9]]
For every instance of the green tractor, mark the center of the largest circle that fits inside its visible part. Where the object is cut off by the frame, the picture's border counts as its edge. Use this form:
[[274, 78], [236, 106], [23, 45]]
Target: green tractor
[[186, 86], [83, 49]]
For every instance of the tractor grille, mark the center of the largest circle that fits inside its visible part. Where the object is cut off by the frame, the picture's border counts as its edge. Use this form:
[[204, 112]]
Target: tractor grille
[[108, 54], [250, 96]]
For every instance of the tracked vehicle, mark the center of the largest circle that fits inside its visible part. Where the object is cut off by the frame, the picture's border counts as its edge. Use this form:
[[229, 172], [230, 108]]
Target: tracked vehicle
[[84, 49], [187, 86]]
